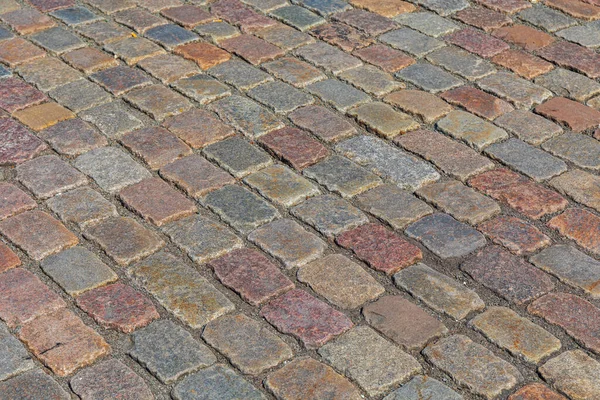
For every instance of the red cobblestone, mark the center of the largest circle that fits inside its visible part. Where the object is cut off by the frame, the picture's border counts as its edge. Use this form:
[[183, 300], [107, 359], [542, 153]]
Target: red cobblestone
[[483, 18], [575, 115], [27, 20], [536, 391], [16, 95], [515, 234], [252, 49], [477, 101], [198, 128], [13, 200], [236, 13], [524, 64], [524, 36], [576, 8], [477, 42], [573, 56], [18, 51], [8, 258], [385, 57], [204, 54], [16, 143], [507, 6], [581, 226], [295, 146]]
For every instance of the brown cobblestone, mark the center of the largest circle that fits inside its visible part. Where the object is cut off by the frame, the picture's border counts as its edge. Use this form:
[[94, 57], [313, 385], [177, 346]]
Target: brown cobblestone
[[515, 234], [478, 102], [13, 200], [579, 225], [535, 391], [524, 36], [524, 64], [295, 146]]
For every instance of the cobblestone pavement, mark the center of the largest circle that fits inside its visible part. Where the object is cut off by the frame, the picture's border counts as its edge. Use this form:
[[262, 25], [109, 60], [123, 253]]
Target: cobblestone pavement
[[314, 199]]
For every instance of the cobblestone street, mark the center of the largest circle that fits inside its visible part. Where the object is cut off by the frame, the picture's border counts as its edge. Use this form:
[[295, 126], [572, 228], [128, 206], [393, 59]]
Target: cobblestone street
[[299, 199]]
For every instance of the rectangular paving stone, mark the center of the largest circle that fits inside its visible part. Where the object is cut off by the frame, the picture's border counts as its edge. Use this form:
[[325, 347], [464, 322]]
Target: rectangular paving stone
[[578, 317], [341, 35], [342, 176], [578, 148], [462, 63], [27, 20], [169, 68], [452, 157], [15, 359], [473, 365], [520, 92], [133, 49], [251, 48], [475, 131], [295, 147], [247, 344], [138, 19], [570, 266], [576, 9], [528, 127], [341, 281], [75, 15], [14, 200], [305, 317], [170, 35], [508, 275], [198, 128], [444, 7], [77, 270], [395, 206], [379, 247], [574, 373], [17, 95], [305, 377], [429, 78], [81, 206], [204, 54], [391, 163], [158, 101], [121, 79], [570, 84], [202, 88], [403, 322], [113, 119], [195, 175], [124, 239], [18, 144], [281, 185], [284, 37], [340, 95], [169, 351], [295, 72], [371, 79], [329, 214], [477, 42], [328, 57], [280, 97], [322, 123], [8, 258], [483, 18], [575, 115], [427, 22], [388, 59], [298, 17], [580, 185], [383, 119], [374, 363], [533, 390], [43, 115], [218, 31], [237, 156], [201, 238], [236, 13], [522, 63], [80, 95], [289, 242], [424, 386], [34, 383], [515, 234], [477, 102], [218, 382], [46, 176], [252, 275], [246, 115], [57, 40], [37, 233], [48, 73], [103, 32], [417, 102], [386, 8], [16, 51], [369, 22], [111, 168], [181, 290], [155, 146], [411, 41], [239, 74], [587, 35]]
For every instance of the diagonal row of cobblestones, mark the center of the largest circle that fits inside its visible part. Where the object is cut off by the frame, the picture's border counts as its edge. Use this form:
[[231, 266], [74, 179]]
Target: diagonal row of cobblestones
[[304, 199]]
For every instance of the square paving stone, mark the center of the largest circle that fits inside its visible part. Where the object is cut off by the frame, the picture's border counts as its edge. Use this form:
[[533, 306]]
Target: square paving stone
[[281, 185], [118, 306], [168, 68], [587, 35], [57, 40], [518, 335], [198, 128], [133, 49], [202, 88], [520, 92], [371, 79], [423, 386], [139, 19], [528, 126], [508, 275], [341, 281], [429, 78], [156, 146], [170, 35], [249, 346], [372, 361], [111, 168], [158, 101], [280, 97], [195, 175], [388, 59], [342, 176], [422, 104], [43, 115], [103, 32], [438, 291], [252, 275], [289, 242], [164, 205], [121, 79], [123, 239], [201, 238], [24, 298], [569, 369], [89, 59], [114, 118], [246, 115], [305, 377], [217, 31], [328, 57], [341, 35], [181, 290], [251, 48], [329, 214], [237, 156], [37, 233], [80, 95], [475, 131], [75, 15], [386, 8], [78, 344], [298, 17], [411, 41], [369, 22], [46, 176], [13, 200], [473, 365], [15, 359], [284, 37], [27, 20], [240, 208], [340, 95], [428, 23], [293, 71], [16, 95], [294, 146], [188, 15], [462, 63], [47, 73], [578, 148], [240, 74], [34, 383], [17, 51], [81, 206], [445, 236], [515, 234], [169, 351], [17, 144], [110, 378], [383, 119], [403, 322], [216, 382], [77, 270], [305, 317], [389, 162], [322, 122]]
